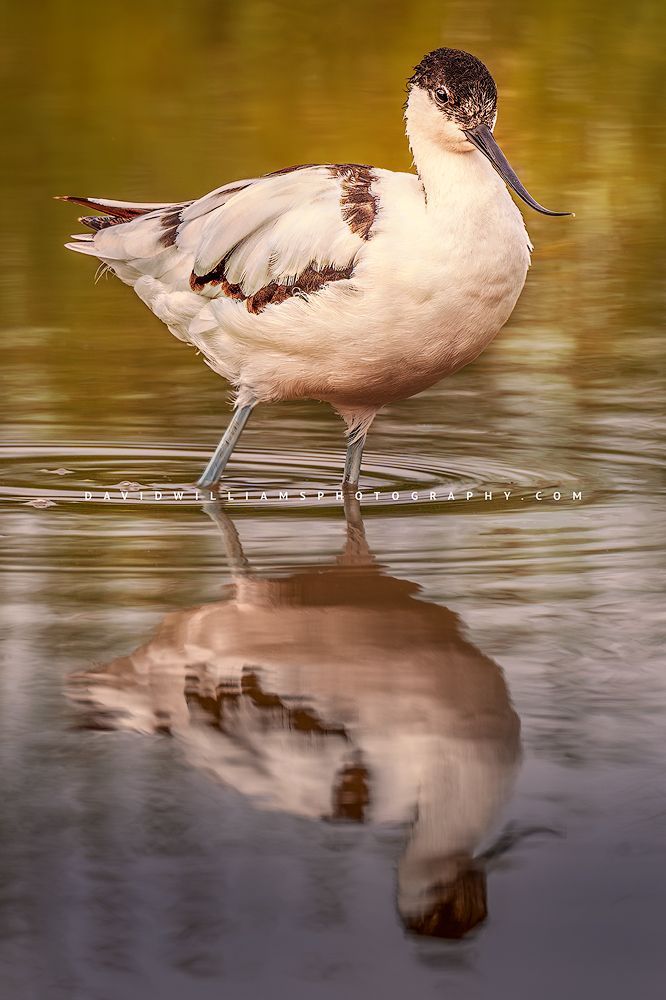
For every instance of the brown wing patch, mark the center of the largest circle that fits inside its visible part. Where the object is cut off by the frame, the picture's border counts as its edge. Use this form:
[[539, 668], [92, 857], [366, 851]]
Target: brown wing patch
[[98, 222], [310, 280], [287, 716], [351, 793], [218, 708], [170, 222], [358, 204]]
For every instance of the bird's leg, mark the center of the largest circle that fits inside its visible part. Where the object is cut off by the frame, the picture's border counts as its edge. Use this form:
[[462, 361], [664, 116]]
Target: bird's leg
[[213, 471], [358, 424], [353, 459]]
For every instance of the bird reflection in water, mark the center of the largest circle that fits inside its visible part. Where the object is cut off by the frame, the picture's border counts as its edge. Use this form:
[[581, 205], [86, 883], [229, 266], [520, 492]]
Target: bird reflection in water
[[335, 693]]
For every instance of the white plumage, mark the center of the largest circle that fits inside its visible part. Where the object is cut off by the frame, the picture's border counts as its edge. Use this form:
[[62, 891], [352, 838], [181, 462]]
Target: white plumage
[[344, 283]]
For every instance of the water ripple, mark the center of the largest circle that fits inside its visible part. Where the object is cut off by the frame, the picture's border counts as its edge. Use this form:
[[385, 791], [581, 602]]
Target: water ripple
[[146, 473]]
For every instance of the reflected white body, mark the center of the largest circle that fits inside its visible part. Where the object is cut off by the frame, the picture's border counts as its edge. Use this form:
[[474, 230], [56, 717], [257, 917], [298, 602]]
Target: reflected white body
[[394, 686]]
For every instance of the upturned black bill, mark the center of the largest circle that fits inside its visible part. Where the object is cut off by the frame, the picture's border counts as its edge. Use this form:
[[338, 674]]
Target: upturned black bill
[[484, 140]]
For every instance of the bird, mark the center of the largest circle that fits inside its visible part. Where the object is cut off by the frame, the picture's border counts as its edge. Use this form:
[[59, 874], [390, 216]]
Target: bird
[[345, 283], [334, 693]]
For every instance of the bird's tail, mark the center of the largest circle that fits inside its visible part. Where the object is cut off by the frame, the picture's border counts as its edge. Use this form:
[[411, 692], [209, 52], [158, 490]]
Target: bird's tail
[[131, 238], [116, 211]]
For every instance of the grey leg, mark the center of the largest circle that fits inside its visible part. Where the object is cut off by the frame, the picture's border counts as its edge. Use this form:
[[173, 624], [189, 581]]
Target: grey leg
[[213, 471], [353, 460]]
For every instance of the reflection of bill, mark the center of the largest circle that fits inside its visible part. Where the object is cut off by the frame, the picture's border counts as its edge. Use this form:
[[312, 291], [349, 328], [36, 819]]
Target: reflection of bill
[[335, 693]]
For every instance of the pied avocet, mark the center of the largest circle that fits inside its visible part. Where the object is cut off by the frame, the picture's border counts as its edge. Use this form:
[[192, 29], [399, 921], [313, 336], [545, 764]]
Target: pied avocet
[[339, 282]]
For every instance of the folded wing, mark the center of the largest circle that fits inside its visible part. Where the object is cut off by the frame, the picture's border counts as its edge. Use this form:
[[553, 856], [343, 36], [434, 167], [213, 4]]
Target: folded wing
[[258, 241]]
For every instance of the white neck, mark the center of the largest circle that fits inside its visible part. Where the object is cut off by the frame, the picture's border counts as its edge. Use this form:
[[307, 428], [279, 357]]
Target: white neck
[[451, 170], [461, 795]]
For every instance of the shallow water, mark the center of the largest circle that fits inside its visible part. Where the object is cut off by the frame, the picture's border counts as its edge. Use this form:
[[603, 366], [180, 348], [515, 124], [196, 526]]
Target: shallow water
[[236, 742]]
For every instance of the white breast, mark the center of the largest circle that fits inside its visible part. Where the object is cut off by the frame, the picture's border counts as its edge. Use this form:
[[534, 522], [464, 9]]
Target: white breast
[[437, 282], [450, 270]]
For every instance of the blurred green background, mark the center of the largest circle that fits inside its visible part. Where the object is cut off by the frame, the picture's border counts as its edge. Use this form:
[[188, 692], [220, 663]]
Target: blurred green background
[[153, 101]]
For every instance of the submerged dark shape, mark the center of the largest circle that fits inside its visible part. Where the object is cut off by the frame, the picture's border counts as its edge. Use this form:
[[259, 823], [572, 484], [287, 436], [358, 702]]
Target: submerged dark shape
[[455, 908]]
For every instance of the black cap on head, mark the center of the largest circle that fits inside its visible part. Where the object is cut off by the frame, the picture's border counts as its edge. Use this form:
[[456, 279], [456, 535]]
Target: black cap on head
[[468, 91]]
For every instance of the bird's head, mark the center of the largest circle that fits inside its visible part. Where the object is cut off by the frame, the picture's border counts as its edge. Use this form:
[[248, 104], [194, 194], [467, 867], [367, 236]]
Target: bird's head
[[452, 102], [442, 897]]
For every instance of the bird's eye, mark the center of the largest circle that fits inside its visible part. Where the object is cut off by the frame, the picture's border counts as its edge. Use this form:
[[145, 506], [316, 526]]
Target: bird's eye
[[442, 96]]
